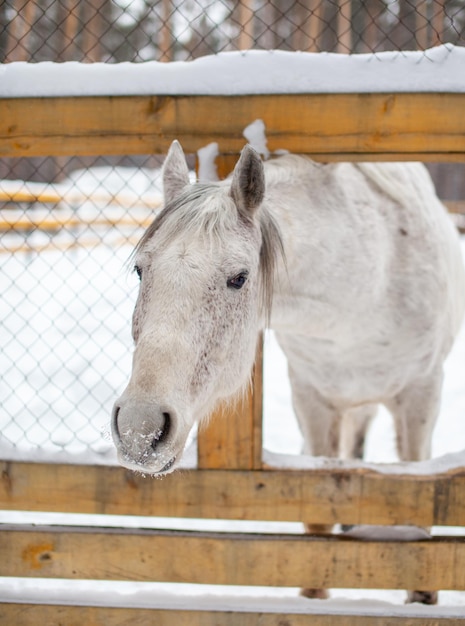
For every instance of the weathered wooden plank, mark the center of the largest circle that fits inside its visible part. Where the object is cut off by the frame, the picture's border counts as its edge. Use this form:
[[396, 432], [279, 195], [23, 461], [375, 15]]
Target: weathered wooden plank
[[326, 126], [233, 437], [57, 615], [321, 497], [56, 221], [455, 206], [50, 196], [231, 558]]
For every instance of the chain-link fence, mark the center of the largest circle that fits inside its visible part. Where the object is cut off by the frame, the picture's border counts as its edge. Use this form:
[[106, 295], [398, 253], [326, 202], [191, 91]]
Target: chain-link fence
[[66, 302], [165, 30], [67, 224]]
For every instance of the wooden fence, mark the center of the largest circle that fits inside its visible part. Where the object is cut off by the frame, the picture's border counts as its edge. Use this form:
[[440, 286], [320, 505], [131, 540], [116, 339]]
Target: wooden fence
[[232, 482]]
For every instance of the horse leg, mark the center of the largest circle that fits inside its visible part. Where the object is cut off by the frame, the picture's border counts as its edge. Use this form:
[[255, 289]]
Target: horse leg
[[355, 423], [415, 410], [354, 428], [320, 426], [319, 420]]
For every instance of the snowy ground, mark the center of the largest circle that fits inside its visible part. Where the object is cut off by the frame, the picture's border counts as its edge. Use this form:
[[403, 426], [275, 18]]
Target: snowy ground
[[66, 356]]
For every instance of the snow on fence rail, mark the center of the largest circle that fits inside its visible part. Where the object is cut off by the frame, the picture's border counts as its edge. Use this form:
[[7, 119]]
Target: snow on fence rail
[[412, 105], [437, 70], [232, 480]]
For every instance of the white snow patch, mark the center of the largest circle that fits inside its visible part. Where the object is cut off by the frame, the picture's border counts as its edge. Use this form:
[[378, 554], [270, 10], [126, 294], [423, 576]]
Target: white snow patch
[[256, 136], [218, 598], [453, 462], [366, 532], [207, 168], [438, 69]]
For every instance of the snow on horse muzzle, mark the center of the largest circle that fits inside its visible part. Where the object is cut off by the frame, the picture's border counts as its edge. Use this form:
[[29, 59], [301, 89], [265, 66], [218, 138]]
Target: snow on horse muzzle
[[144, 435]]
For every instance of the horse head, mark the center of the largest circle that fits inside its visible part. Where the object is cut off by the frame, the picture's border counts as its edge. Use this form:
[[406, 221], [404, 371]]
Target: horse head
[[205, 267]]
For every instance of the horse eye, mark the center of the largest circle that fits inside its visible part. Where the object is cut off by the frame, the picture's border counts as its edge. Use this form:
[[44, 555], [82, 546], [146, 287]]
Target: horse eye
[[236, 282], [138, 271]]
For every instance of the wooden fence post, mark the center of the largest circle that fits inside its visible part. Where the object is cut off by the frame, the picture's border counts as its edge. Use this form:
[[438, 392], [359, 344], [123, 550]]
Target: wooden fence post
[[233, 437]]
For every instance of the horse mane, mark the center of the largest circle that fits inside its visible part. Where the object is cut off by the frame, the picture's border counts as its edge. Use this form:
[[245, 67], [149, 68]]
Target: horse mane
[[197, 210], [272, 248]]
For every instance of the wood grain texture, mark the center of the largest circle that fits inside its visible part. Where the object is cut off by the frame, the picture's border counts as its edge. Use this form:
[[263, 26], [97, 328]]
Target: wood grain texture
[[326, 126], [358, 496], [231, 558], [233, 437]]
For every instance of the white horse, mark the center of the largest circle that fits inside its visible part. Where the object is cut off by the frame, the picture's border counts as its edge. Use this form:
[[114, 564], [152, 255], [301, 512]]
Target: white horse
[[356, 267]]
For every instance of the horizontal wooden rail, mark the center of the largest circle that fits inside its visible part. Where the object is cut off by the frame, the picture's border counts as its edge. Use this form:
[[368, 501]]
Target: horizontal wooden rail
[[231, 558], [52, 615], [25, 192], [358, 496], [57, 221], [402, 126]]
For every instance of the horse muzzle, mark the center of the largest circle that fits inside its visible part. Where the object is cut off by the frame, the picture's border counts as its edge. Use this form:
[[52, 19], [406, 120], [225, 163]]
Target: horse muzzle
[[144, 434]]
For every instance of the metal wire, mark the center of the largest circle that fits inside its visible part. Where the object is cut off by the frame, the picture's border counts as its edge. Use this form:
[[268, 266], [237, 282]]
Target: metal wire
[[139, 30]]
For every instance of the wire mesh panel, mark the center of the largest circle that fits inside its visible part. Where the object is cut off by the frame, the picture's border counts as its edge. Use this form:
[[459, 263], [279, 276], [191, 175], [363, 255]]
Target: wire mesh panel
[[66, 303], [67, 225], [139, 30]]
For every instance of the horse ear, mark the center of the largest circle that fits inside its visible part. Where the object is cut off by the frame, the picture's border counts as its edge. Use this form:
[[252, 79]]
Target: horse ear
[[248, 181], [175, 172]]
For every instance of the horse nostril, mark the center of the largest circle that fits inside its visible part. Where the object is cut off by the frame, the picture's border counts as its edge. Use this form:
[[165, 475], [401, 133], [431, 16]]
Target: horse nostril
[[115, 421], [163, 432]]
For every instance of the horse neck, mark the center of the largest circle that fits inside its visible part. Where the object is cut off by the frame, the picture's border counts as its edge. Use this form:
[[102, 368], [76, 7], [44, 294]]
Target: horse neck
[[293, 189]]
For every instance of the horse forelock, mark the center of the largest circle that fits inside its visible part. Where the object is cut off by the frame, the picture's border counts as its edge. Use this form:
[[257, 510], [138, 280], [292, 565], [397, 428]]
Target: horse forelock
[[202, 210], [178, 214]]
